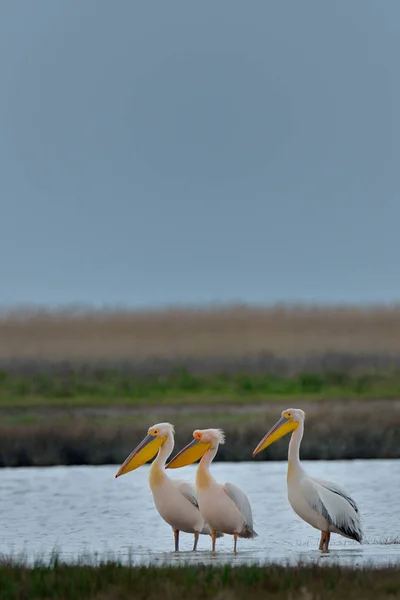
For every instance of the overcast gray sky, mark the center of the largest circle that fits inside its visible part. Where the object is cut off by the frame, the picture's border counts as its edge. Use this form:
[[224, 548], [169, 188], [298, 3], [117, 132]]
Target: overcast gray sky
[[175, 151]]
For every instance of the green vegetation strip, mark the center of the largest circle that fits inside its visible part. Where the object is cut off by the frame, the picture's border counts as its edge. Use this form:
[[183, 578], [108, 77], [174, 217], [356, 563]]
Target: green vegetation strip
[[107, 387], [116, 582]]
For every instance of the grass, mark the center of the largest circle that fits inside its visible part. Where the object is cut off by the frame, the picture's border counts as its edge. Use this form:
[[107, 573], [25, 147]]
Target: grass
[[112, 581], [105, 387], [341, 430], [97, 416]]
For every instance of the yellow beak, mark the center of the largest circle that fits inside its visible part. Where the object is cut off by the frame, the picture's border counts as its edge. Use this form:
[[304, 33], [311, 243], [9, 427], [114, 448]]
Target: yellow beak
[[189, 454], [281, 428], [142, 454]]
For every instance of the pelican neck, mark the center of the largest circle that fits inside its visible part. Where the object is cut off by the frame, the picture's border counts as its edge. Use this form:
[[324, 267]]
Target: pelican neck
[[294, 446]]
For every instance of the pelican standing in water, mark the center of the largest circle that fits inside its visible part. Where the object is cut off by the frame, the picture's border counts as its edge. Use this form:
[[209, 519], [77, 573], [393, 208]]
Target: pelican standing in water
[[175, 500], [225, 507], [322, 504]]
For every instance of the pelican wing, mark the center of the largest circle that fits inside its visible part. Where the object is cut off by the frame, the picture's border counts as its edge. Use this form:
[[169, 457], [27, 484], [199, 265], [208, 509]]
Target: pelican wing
[[241, 501], [189, 491], [334, 505], [338, 490]]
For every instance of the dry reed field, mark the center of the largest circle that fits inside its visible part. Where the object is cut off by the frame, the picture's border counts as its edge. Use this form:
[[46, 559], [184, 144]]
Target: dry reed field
[[279, 339]]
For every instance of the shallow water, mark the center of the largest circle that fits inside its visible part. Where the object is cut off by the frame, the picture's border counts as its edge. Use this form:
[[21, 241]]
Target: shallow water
[[81, 511]]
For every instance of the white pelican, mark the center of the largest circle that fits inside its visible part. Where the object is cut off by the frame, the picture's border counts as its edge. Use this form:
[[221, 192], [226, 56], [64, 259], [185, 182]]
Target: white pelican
[[175, 500], [322, 504], [226, 507]]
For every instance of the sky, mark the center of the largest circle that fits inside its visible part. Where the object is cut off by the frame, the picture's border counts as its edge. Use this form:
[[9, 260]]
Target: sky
[[160, 153]]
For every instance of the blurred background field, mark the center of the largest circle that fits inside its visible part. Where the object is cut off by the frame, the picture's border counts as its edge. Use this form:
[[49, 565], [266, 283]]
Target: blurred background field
[[282, 339], [82, 387]]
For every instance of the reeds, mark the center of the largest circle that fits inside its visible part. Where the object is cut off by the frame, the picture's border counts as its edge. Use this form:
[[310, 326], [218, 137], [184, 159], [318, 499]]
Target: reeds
[[282, 340], [334, 430]]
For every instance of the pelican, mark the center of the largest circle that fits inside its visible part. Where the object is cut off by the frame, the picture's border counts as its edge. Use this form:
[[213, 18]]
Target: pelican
[[175, 500], [225, 507], [322, 504]]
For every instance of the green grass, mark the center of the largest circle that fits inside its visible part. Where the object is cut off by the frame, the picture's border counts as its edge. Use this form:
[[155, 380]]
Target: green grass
[[107, 387], [96, 416], [113, 581]]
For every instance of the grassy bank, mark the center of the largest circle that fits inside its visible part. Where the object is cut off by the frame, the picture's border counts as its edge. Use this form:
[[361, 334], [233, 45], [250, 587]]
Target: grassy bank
[[334, 430], [115, 582], [110, 387], [96, 416]]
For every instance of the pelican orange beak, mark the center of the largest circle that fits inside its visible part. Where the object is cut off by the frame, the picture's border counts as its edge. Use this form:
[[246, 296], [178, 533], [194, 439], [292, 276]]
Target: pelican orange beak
[[281, 428], [189, 454], [142, 454]]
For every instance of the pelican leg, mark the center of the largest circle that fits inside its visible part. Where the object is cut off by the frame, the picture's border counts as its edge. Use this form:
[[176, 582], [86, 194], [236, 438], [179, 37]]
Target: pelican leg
[[235, 537], [196, 539], [176, 536], [324, 542], [328, 537], [213, 538]]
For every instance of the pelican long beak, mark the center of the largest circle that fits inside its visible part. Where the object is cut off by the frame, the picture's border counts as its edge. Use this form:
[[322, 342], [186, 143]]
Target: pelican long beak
[[142, 454], [189, 454], [281, 428]]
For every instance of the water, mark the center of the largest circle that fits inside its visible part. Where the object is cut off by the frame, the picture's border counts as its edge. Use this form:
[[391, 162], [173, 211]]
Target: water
[[81, 511]]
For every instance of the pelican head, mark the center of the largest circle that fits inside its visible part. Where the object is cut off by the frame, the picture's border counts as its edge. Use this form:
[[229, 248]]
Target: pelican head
[[148, 447], [204, 439], [289, 421]]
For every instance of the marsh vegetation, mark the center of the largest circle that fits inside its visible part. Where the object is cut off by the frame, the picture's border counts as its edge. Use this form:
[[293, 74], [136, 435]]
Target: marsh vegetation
[[112, 581], [81, 387]]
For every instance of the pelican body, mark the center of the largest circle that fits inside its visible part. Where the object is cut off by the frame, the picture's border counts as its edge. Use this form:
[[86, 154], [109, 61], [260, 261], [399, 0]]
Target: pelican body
[[175, 500], [322, 504], [225, 507]]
